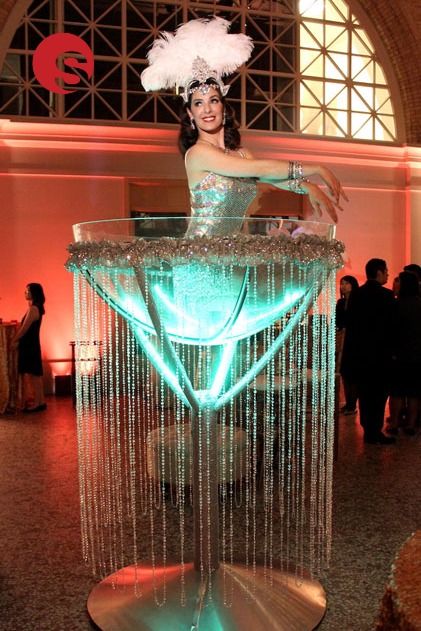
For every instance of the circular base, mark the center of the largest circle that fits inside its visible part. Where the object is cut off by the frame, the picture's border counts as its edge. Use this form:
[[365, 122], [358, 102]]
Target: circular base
[[239, 600]]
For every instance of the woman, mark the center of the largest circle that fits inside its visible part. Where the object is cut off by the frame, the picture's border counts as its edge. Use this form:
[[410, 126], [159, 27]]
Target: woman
[[406, 370], [29, 350], [221, 173], [348, 284]]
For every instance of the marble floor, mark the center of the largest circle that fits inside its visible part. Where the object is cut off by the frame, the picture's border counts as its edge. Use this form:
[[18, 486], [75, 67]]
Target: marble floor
[[44, 583]]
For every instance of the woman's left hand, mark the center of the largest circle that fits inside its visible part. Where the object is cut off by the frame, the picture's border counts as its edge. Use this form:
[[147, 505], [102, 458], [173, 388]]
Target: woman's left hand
[[333, 184], [320, 201]]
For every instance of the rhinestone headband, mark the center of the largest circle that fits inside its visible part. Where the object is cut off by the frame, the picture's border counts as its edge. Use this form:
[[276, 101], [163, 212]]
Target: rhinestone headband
[[203, 79]]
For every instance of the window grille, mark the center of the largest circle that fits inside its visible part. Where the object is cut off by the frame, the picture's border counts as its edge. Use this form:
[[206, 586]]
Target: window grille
[[313, 70]]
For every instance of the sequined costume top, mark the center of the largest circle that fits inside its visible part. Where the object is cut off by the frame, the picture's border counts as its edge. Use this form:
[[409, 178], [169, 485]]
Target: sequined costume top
[[219, 204]]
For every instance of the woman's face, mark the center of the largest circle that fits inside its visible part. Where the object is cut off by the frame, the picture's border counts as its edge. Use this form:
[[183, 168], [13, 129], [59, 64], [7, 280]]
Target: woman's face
[[28, 294], [345, 287], [207, 110]]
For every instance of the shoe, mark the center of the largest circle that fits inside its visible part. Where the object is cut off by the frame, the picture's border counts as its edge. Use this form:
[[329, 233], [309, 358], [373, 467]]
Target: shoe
[[38, 408], [347, 411], [380, 439], [386, 440], [409, 431], [370, 440], [392, 430]]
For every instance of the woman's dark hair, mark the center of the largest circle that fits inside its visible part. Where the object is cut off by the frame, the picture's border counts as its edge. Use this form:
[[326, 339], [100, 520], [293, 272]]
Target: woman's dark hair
[[188, 136], [408, 285], [414, 268], [37, 296], [352, 281]]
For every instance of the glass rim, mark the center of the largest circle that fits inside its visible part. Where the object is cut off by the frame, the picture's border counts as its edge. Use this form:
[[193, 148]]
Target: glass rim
[[177, 227], [171, 217]]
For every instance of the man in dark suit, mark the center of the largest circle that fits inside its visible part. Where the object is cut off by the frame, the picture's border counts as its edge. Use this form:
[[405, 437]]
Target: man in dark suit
[[368, 340]]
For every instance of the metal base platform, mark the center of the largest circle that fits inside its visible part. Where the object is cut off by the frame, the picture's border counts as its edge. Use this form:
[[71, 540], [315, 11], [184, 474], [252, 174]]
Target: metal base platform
[[275, 601]]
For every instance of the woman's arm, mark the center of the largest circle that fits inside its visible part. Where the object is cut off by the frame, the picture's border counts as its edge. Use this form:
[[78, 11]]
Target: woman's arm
[[203, 158], [318, 199], [31, 316]]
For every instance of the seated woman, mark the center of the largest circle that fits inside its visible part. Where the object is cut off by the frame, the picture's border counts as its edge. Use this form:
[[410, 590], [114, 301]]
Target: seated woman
[[221, 173]]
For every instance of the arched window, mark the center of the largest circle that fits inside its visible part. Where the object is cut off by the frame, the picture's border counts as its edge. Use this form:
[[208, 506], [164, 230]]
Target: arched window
[[313, 71], [343, 89]]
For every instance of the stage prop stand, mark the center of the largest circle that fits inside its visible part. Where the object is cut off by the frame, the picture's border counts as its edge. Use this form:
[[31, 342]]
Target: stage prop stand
[[284, 603], [204, 437]]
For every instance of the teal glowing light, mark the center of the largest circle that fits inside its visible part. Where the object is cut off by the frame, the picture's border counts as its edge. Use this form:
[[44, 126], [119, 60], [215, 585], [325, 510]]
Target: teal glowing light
[[222, 369], [263, 361], [208, 315], [137, 312], [190, 319], [160, 364], [254, 320], [178, 313], [219, 316]]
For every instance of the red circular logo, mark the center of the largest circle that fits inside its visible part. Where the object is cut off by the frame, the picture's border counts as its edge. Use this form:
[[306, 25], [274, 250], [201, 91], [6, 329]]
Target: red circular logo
[[47, 55]]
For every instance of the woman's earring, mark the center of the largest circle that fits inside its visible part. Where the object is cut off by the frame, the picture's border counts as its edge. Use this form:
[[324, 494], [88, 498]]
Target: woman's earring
[[224, 118], [192, 123]]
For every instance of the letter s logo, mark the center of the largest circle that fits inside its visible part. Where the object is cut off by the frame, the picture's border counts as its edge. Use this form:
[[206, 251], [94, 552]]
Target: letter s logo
[[47, 54]]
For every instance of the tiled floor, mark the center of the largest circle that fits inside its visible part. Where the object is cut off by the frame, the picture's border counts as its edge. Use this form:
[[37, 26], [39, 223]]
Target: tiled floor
[[44, 583]]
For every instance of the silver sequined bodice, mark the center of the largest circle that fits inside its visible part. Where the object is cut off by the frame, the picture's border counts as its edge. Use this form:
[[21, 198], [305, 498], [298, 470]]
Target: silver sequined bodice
[[219, 204]]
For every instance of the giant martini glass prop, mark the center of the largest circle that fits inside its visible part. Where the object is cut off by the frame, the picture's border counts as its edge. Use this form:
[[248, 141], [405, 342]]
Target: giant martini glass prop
[[215, 387]]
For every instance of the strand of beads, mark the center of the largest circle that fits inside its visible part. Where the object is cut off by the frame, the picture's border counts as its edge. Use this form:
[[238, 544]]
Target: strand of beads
[[282, 391], [77, 292], [134, 482], [330, 294], [164, 465]]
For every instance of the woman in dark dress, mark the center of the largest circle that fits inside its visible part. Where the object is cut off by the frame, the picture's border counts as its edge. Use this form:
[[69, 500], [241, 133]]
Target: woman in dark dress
[[29, 350], [406, 370], [348, 284]]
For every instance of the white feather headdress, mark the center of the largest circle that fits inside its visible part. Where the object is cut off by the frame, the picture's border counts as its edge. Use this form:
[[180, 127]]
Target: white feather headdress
[[198, 50]]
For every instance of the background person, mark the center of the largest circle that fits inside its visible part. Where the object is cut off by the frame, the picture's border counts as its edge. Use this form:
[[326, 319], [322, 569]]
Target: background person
[[369, 340], [415, 269], [405, 390], [27, 339], [395, 286], [348, 285]]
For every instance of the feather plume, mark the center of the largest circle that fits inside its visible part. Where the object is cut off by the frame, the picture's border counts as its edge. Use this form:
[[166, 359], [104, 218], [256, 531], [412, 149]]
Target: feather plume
[[172, 55]]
